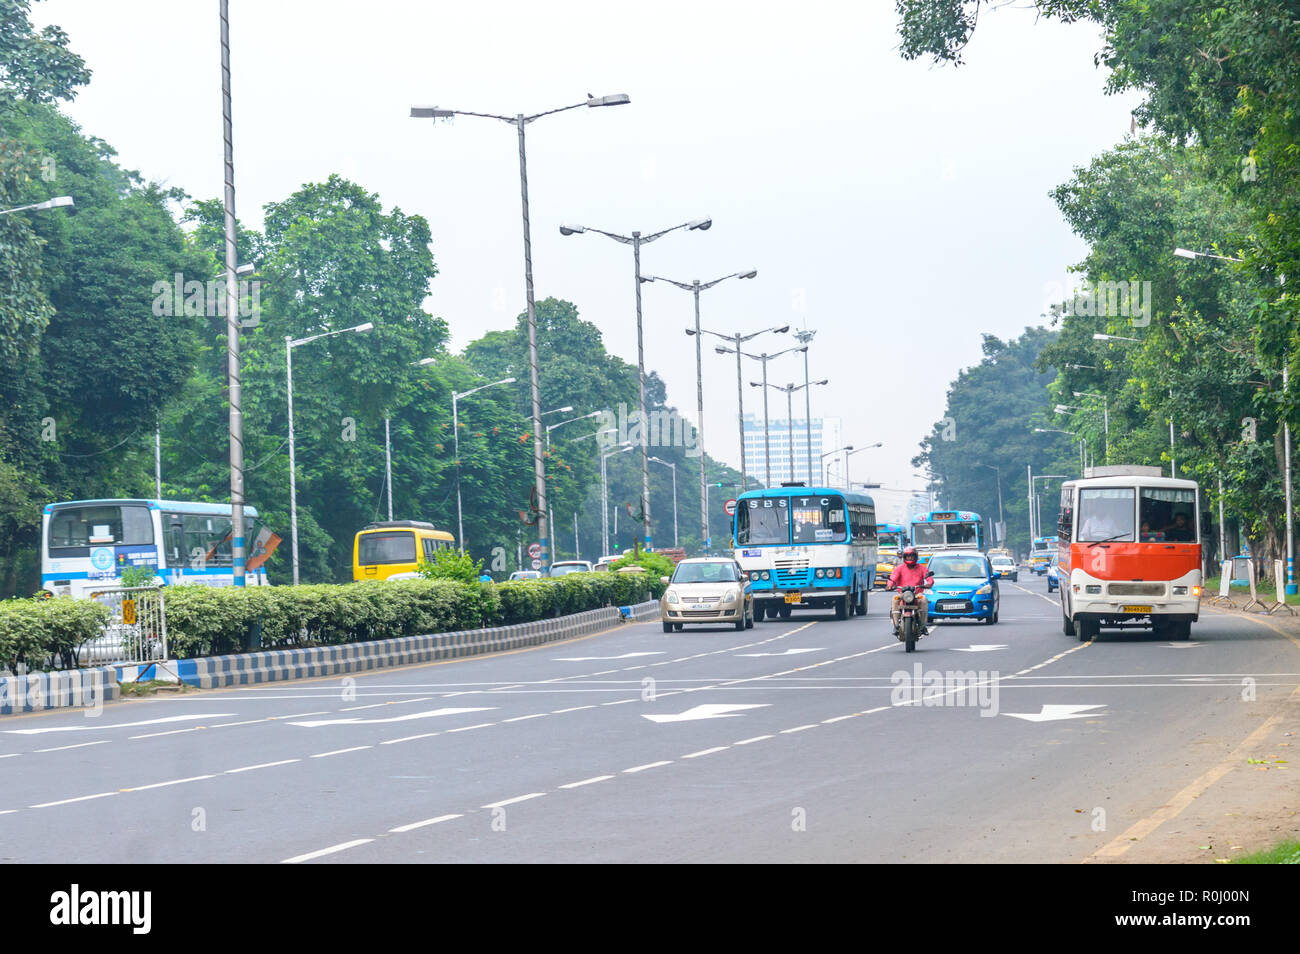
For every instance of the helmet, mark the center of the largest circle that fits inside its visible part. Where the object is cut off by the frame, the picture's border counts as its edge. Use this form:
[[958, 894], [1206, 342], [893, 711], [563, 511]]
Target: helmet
[[909, 555]]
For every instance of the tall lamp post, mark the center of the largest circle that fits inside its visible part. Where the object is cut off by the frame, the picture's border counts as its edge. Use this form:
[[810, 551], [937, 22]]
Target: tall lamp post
[[520, 121], [805, 338], [1286, 437], [636, 240], [455, 436], [668, 463], [788, 390], [764, 358], [850, 454], [1057, 430], [831, 453], [695, 288], [289, 344], [1002, 533], [736, 341]]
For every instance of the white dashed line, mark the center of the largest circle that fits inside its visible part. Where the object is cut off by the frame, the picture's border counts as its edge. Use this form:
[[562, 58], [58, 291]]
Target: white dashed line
[[588, 781], [757, 738], [421, 824], [250, 768], [512, 801], [326, 851], [642, 768], [535, 715], [78, 745], [574, 709], [798, 728], [716, 748], [69, 801], [175, 781], [154, 735], [227, 725], [411, 738], [300, 715], [838, 718], [466, 728], [355, 748]]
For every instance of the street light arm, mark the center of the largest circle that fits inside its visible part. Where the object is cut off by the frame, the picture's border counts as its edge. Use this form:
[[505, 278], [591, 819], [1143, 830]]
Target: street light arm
[[465, 394], [295, 342]]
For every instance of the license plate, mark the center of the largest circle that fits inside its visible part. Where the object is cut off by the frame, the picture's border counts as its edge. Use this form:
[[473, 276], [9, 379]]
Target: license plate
[[945, 607], [1136, 609], [794, 597]]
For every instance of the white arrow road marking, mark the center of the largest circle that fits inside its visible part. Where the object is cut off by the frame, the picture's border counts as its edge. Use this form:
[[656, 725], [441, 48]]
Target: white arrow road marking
[[1054, 713], [710, 710], [601, 658], [431, 713], [119, 725], [788, 652], [1186, 645], [977, 648]]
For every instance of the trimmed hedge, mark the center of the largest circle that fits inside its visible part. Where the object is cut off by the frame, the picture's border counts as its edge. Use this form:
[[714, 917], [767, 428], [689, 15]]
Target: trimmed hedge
[[34, 630]]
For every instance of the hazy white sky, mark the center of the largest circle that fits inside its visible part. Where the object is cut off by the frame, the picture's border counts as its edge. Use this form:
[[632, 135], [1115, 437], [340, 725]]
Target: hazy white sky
[[898, 208]]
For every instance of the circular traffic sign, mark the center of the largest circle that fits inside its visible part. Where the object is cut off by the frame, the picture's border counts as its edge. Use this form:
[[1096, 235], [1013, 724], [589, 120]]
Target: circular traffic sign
[[537, 564], [729, 508], [534, 551]]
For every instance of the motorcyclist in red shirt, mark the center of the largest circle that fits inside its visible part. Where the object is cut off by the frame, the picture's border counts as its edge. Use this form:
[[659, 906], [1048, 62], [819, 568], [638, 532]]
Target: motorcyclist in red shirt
[[910, 573]]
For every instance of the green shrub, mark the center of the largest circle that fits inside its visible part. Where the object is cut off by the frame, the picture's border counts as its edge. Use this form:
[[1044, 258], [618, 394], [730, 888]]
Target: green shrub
[[36, 632], [451, 565], [655, 564]]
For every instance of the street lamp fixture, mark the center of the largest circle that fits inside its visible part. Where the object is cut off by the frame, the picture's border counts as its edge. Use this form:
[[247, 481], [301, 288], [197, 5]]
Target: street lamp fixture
[[57, 202]]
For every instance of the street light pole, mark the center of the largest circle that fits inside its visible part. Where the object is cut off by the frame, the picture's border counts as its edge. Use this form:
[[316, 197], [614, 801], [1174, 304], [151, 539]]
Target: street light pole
[[695, 288], [388, 468], [604, 496], [805, 338], [832, 453], [849, 454], [674, 467], [519, 121], [455, 434]]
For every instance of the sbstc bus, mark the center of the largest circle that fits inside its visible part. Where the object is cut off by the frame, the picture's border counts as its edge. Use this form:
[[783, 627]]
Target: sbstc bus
[[942, 530], [1129, 552], [1041, 553], [805, 547], [86, 544]]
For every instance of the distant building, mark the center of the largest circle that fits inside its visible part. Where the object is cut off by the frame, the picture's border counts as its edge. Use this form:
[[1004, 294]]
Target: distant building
[[826, 435]]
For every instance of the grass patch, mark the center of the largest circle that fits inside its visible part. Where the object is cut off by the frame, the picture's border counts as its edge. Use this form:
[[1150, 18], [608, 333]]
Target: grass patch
[[1286, 853], [1265, 589], [151, 687]]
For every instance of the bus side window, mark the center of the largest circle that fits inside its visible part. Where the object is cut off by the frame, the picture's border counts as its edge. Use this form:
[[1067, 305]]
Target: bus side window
[[429, 550]]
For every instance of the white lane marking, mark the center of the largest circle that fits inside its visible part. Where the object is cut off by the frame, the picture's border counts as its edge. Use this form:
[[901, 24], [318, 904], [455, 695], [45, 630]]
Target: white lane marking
[[799, 728], [9, 811], [602, 658], [373, 705], [619, 702], [757, 738], [411, 738], [119, 725], [298, 859], [466, 728], [1048, 662], [709, 710], [716, 748], [512, 801], [175, 781], [1187, 645], [78, 745], [410, 716], [154, 735], [421, 824], [603, 672], [642, 768], [227, 725], [574, 709], [524, 718], [979, 648], [788, 652], [69, 801], [588, 781], [11, 755], [297, 715], [355, 748], [837, 719], [250, 768], [1056, 713]]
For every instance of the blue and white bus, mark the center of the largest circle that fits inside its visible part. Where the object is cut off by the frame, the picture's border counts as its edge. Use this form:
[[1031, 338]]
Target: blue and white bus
[[947, 530], [805, 547], [86, 544]]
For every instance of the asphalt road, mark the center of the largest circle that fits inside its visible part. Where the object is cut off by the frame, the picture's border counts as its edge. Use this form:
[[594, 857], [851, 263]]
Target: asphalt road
[[798, 740]]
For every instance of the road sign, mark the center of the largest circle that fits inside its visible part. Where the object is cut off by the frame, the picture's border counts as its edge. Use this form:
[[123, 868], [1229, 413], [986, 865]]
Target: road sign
[[537, 564], [729, 508], [128, 612], [534, 550]]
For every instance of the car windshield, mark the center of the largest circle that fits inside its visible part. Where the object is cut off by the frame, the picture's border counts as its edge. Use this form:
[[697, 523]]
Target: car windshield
[[559, 569], [705, 573], [951, 567]]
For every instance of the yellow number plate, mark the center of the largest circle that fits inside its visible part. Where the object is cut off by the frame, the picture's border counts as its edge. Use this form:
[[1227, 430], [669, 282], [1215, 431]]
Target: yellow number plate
[[1136, 609], [794, 597]]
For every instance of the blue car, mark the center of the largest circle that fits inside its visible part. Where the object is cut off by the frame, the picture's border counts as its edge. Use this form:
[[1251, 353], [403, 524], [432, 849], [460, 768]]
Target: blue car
[[964, 588], [1053, 576]]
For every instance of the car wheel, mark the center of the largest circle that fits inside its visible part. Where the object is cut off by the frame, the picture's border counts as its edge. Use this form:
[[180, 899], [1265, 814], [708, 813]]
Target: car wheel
[[668, 627], [749, 620], [740, 623]]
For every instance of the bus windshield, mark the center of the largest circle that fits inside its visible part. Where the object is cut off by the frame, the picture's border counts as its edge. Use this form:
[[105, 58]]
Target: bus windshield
[[100, 525], [818, 519], [1105, 514], [1167, 515], [397, 546], [763, 520], [890, 538], [944, 534]]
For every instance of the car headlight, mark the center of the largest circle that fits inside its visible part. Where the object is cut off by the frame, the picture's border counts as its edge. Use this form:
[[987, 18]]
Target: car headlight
[[730, 596], [819, 574], [984, 590], [671, 597], [767, 575]]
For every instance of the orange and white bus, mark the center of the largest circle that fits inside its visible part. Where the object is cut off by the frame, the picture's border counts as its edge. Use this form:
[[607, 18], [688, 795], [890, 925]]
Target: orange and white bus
[[1129, 552]]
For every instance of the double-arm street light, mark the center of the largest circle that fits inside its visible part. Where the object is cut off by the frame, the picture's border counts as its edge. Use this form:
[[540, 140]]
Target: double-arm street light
[[805, 338], [850, 454], [520, 121], [831, 453], [636, 240], [289, 344], [1286, 435], [604, 493], [736, 341], [695, 288], [668, 463], [788, 390], [455, 435], [764, 358]]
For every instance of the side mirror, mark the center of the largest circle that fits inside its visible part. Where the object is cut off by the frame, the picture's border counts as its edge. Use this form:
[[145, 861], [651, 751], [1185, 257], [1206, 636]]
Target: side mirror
[[663, 579]]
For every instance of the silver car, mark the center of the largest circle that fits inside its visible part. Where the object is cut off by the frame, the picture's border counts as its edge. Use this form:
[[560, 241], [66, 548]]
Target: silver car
[[707, 590]]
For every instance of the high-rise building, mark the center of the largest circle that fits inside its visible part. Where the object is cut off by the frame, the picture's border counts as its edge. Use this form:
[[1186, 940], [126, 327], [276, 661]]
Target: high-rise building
[[825, 436]]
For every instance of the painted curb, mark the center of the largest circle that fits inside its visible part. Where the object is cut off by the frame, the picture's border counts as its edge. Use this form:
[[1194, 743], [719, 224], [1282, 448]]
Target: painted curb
[[75, 688]]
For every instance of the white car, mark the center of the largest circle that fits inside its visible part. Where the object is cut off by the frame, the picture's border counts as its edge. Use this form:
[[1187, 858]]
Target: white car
[[561, 567], [1004, 568], [526, 575], [707, 590]]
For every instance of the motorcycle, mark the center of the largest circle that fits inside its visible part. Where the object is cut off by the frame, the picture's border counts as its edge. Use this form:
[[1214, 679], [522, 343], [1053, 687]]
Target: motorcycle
[[909, 620]]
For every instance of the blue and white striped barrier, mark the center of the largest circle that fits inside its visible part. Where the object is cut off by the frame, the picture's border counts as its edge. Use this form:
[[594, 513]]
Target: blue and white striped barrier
[[74, 688]]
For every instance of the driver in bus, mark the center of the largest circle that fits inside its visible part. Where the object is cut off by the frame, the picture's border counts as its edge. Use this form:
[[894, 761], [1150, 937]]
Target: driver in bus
[[910, 573], [1179, 531]]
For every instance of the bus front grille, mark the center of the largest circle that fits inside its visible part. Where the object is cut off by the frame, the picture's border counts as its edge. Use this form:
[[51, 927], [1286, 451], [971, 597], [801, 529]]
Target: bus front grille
[[1136, 589]]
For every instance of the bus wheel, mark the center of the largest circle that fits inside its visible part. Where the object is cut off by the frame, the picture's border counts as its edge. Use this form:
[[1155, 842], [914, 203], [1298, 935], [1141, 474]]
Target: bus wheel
[[862, 602], [842, 607], [1088, 629], [1182, 630], [784, 610], [1067, 624]]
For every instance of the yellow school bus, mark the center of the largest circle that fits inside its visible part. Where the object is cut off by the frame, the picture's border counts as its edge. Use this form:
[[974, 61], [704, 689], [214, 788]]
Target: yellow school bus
[[391, 547]]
